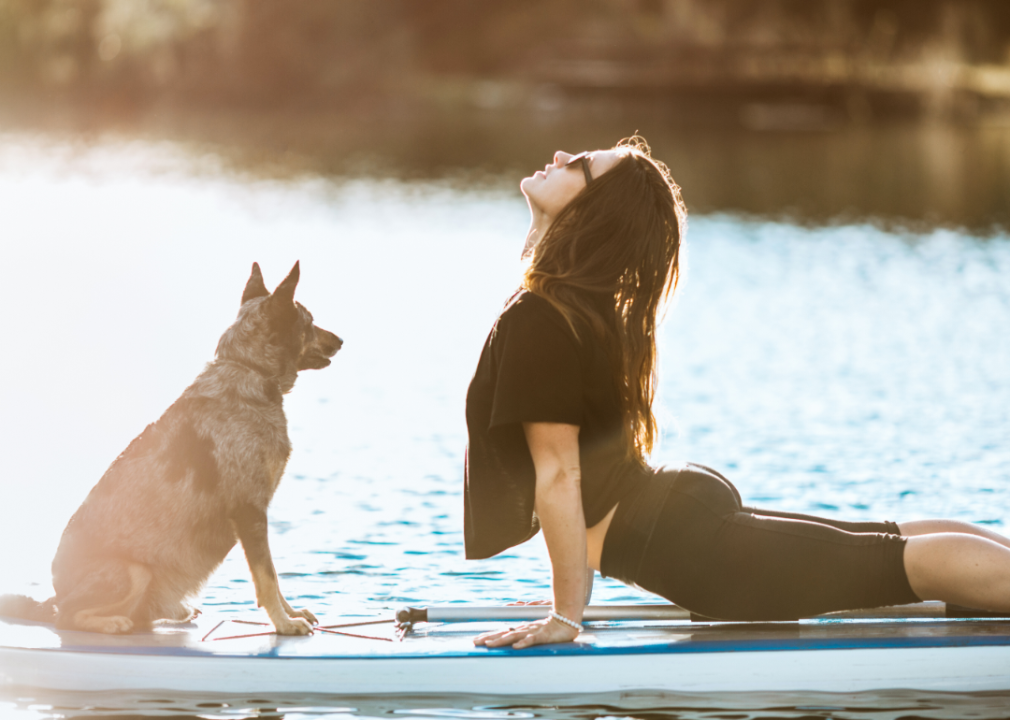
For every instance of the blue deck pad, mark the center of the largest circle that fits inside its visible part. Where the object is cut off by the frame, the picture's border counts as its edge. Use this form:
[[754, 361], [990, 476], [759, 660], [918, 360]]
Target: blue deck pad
[[613, 638]]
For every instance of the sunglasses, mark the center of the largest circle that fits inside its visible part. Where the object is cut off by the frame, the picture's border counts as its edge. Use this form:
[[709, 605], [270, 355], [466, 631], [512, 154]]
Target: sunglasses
[[582, 157]]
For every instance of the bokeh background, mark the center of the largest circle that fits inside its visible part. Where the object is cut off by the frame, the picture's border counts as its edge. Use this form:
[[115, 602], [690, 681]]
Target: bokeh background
[[900, 105], [840, 344]]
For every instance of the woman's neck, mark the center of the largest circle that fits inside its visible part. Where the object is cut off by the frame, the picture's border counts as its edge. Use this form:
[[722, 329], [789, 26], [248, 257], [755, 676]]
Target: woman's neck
[[539, 223]]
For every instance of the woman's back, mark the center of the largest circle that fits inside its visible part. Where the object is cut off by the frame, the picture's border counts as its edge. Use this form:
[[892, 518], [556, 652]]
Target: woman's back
[[534, 368]]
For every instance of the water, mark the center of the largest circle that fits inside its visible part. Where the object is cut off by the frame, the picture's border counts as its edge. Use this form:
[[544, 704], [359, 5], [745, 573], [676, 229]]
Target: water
[[896, 705], [842, 370]]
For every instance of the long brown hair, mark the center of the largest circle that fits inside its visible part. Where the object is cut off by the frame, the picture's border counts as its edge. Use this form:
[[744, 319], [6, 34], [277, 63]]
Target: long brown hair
[[612, 258]]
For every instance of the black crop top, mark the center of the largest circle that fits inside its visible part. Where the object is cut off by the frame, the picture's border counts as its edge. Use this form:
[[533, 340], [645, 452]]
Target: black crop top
[[533, 369]]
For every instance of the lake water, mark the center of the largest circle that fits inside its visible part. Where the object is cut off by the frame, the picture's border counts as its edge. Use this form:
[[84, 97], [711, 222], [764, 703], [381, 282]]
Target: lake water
[[840, 369]]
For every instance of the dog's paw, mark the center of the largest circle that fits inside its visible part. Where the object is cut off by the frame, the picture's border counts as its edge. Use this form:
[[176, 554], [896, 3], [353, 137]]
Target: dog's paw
[[109, 624], [307, 614], [115, 625], [294, 626], [182, 612]]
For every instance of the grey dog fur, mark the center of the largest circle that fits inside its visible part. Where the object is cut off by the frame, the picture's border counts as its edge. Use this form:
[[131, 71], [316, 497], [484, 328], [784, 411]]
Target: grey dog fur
[[193, 484]]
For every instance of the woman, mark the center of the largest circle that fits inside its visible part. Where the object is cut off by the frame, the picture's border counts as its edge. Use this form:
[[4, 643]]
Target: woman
[[560, 422]]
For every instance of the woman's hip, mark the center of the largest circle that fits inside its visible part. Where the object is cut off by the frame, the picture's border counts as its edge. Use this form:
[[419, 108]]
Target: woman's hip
[[700, 497]]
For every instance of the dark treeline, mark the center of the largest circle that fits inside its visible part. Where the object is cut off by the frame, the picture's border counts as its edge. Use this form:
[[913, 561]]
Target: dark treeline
[[860, 57], [769, 108]]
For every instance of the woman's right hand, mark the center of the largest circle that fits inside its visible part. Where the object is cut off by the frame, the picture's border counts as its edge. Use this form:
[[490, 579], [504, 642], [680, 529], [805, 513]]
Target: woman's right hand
[[541, 632]]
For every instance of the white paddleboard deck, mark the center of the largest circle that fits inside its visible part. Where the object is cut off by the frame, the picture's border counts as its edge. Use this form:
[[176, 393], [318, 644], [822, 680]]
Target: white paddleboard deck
[[826, 655]]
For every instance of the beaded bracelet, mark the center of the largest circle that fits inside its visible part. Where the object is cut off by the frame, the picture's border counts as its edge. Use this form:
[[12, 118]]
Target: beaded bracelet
[[562, 619]]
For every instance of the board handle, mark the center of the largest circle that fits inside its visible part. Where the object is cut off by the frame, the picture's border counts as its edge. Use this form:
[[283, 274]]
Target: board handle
[[663, 612], [411, 615]]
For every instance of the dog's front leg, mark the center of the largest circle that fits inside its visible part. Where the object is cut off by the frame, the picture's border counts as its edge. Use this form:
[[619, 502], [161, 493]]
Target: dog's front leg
[[303, 613], [250, 525]]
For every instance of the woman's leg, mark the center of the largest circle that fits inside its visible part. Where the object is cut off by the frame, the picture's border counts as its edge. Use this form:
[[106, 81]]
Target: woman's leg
[[909, 528], [752, 564], [960, 568], [959, 563], [948, 560], [744, 566], [913, 528]]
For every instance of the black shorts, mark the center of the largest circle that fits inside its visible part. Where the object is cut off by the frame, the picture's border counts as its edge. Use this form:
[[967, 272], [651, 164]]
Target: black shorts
[[685, 535]]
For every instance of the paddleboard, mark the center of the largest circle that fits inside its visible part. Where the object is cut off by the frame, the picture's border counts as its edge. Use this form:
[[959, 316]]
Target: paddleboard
[[220, 654]]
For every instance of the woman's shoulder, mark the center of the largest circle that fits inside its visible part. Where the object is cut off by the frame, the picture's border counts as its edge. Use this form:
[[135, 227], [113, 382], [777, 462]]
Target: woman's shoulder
[[527, 309], [526, 304]]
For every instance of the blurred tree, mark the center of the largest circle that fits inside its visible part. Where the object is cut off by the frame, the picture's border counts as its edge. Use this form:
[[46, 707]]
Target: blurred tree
[[343, 53]]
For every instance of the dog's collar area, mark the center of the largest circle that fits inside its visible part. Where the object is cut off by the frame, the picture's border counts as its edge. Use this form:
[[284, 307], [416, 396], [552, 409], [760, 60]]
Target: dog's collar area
[[259, 370]]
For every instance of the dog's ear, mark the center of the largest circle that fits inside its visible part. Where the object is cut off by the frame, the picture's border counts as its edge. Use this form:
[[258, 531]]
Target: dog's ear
[[285, 292], [254, 287]]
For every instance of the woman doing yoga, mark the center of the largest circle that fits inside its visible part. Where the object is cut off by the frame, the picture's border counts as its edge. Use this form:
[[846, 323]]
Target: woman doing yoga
[[560, 422]]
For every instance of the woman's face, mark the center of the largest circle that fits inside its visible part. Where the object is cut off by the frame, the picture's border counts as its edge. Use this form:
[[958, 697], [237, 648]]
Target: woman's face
[[548, 191]]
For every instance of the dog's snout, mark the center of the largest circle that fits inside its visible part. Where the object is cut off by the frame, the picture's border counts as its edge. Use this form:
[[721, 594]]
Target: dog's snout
[[317, 353], [330, 343]]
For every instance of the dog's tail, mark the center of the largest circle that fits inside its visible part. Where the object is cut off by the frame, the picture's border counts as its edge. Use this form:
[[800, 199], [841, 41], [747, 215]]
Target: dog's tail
[[23, 607]]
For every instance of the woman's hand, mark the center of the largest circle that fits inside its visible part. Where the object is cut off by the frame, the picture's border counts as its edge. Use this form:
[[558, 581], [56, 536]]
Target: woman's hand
[[541, 632]]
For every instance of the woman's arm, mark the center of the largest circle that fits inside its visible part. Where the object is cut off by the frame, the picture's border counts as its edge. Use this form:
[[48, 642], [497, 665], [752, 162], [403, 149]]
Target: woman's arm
[[555, 451]]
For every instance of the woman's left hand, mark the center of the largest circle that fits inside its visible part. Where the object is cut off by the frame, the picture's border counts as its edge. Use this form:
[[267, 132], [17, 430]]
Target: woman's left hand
[[541, 632]]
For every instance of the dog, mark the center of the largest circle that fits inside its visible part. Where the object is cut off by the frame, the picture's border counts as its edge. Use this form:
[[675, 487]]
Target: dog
[[192, 485]]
